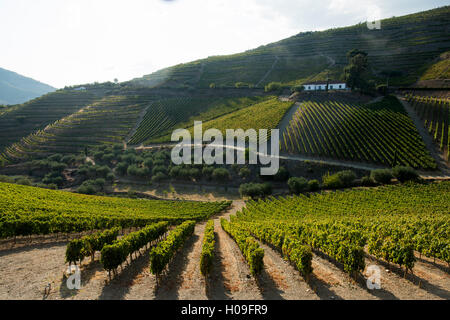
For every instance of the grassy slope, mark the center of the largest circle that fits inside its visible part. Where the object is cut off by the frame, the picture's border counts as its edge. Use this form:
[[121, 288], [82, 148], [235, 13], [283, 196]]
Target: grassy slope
[[166, 115], [31, 201], [107, 120], [403, 43], [438, 70], [263, 115], [21, 120]]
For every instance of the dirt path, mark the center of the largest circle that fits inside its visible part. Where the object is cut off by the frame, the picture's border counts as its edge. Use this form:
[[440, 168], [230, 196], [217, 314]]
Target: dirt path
[[284, 123], [268, 72], [427, 139], [25, 271], [231, 277], [280, 280]]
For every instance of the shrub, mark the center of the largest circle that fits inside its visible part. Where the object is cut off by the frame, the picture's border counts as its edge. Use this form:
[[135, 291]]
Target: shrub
[[24, 181], [7, 179], [255, 189], [100, 182], [98, 155], [122, 168], [55, 157], [297, 184], [88, 187], [108, 157], [174, 171], [244, 172], [404, 174], [129, 158], [159, 162], [339, 180], [207, 172], [221, 174], [366, 181], [382, 176], [273, 86], [313, 185], [148, 162], [281, 175], [158, 177], [133, 170], [102, 171], [68, 159], [57, 166], [194, 173], [159, 169], [347, 177]]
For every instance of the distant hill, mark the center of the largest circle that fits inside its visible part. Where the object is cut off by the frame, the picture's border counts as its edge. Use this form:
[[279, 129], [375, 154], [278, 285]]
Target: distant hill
[[405, 44], [15, 88]]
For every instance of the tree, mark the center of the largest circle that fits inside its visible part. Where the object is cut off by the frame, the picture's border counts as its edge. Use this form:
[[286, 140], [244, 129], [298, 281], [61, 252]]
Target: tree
[[390, 74], [116, 81], [356, 70]]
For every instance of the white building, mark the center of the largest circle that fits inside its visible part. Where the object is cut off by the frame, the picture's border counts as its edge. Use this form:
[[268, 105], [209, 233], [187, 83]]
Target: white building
[[322, 85]]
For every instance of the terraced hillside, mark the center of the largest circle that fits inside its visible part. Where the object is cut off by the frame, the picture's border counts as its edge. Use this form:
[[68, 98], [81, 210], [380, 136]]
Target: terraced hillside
[[165, 115], [380, 132], [21, 120], [107, 120], [266, 114], [435, 114], [405, 44]]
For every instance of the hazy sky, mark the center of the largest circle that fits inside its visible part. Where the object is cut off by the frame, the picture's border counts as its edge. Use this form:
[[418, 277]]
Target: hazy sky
[[66, 42]]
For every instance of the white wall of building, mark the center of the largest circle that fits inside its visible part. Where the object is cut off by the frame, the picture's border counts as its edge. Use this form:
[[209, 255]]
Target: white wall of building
[[331, 86]]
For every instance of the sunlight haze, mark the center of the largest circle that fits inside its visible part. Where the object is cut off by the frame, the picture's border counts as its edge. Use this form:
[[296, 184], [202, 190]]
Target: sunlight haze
[[72, 42]]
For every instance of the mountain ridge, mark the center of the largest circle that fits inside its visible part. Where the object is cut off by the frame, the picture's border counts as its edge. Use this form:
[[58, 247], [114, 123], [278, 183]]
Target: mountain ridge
[[404, 43], [16, 88]]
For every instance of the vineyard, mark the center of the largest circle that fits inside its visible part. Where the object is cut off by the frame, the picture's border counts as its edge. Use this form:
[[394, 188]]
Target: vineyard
[[164, 116], [24, 119], [379, 133], [106, 121], [30, 211], [263, 115], [435, 114], [389, 223]]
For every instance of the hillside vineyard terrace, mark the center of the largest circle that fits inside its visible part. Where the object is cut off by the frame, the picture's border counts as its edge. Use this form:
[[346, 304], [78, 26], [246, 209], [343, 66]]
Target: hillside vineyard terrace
[[209, 147]]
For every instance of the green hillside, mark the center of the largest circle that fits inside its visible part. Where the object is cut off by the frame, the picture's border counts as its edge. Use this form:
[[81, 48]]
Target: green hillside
[[106, 121], [439, 69], [435, 114], [263, 115], [402, 44], [380, 132], [165, 115], [20, 120], [29, 210]]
